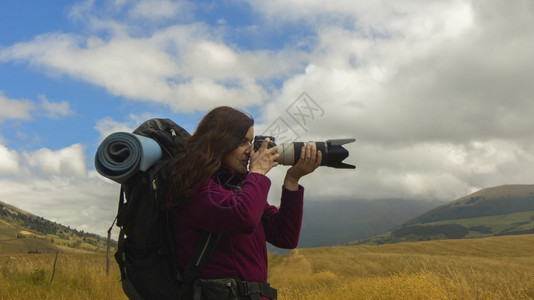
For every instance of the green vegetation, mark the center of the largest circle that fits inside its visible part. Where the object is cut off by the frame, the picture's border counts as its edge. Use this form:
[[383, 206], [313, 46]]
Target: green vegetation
[[479, 208], [497, 211], [22, 232], [509, 224], [500, 200]]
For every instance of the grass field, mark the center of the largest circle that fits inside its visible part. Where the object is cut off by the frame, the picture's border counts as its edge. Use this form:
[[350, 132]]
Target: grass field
[[77, 276], [488, 268]]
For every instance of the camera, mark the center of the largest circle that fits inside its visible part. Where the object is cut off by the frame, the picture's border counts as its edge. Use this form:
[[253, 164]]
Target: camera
[[332, 151]]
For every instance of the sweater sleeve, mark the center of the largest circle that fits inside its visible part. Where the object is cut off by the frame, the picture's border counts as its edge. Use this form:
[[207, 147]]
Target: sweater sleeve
[[282, 225], [219, 210]]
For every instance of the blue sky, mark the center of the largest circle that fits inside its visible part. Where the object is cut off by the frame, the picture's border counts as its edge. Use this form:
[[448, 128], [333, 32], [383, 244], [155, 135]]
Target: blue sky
[[437, 94]]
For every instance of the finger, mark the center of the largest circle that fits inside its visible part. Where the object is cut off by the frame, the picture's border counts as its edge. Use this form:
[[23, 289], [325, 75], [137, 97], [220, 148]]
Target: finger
[[265, 143], [308, 152], [313, 153], [273, 150]]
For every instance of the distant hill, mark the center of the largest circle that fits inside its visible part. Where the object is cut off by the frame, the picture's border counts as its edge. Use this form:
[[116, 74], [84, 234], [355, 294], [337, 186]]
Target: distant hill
[[500, 210], [335, 222], [23, 232], [325, 223]]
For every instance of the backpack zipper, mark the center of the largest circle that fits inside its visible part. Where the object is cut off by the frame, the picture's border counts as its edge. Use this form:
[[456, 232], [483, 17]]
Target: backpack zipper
[[155, 189]]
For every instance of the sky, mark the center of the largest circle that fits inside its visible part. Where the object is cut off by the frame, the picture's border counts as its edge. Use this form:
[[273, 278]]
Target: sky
[[438, 94]]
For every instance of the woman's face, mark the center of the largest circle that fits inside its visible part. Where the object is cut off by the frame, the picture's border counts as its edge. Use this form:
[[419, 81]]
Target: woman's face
[[237, 160]]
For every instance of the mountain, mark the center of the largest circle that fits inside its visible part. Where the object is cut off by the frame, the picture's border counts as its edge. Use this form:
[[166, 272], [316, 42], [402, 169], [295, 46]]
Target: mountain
[[507, 209], [23, 232], [325, 223], [500, 210], [334, 222]]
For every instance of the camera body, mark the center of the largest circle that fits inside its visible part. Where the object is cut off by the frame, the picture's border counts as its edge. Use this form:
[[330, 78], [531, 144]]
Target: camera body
[[258, 140], [332, 151]]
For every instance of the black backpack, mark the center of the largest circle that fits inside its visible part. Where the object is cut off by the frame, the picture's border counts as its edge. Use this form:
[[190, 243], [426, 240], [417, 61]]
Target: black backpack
[[146, 248]]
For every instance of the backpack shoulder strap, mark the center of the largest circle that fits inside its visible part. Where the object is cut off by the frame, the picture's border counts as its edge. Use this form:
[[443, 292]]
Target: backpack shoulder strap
[[205, 247]]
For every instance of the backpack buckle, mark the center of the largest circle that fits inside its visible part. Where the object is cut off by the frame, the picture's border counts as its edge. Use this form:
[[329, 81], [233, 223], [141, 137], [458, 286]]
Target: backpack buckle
[[256, 289], [246, 288]]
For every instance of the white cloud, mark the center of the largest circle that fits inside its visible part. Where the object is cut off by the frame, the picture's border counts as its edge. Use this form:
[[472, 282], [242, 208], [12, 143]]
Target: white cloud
[[375, 19], [55, 110], [15, 108], [159, 9], [107, 126], [186, 67], [57, 186], [86, 203], [9, 161], [438, 98], [81, 10], [68, 161], [440, 87]]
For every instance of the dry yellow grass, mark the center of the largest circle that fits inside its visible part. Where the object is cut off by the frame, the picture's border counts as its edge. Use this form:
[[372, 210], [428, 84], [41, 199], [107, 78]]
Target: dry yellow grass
[[490, 268], [77, 276]]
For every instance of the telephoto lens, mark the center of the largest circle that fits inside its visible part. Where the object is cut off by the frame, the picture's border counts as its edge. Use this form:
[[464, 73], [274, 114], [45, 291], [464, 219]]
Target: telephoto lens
[[332, 151]]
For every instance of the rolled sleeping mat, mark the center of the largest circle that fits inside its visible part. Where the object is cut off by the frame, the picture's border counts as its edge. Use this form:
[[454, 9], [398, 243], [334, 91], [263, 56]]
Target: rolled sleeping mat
[[123, 154]]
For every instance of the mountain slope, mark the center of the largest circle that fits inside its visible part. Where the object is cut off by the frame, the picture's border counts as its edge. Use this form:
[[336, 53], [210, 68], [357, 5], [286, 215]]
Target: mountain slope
[[500, 200], [334, 222], [23, 232], [501, 210]]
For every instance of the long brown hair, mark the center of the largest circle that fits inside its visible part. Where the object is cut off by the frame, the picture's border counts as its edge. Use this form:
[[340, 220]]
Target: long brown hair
[[220, 131]]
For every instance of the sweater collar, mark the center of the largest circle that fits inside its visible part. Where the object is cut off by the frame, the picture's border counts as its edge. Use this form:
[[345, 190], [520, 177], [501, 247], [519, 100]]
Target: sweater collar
[[228, 178]]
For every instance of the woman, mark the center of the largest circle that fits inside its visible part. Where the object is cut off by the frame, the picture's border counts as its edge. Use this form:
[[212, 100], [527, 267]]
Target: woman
[[219, 186]]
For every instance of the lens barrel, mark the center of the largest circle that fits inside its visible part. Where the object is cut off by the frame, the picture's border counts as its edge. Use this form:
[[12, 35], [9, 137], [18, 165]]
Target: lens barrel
[[332, 151]]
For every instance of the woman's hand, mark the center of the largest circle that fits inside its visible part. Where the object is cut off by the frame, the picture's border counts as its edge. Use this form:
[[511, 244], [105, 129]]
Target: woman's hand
[[263, 160], [309, 160]]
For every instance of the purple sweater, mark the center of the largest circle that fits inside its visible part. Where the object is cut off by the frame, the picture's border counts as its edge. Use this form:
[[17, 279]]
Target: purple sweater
[[236, 206]]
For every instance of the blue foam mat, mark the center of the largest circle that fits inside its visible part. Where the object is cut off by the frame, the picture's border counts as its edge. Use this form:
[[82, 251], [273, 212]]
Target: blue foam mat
[[123, 154]]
